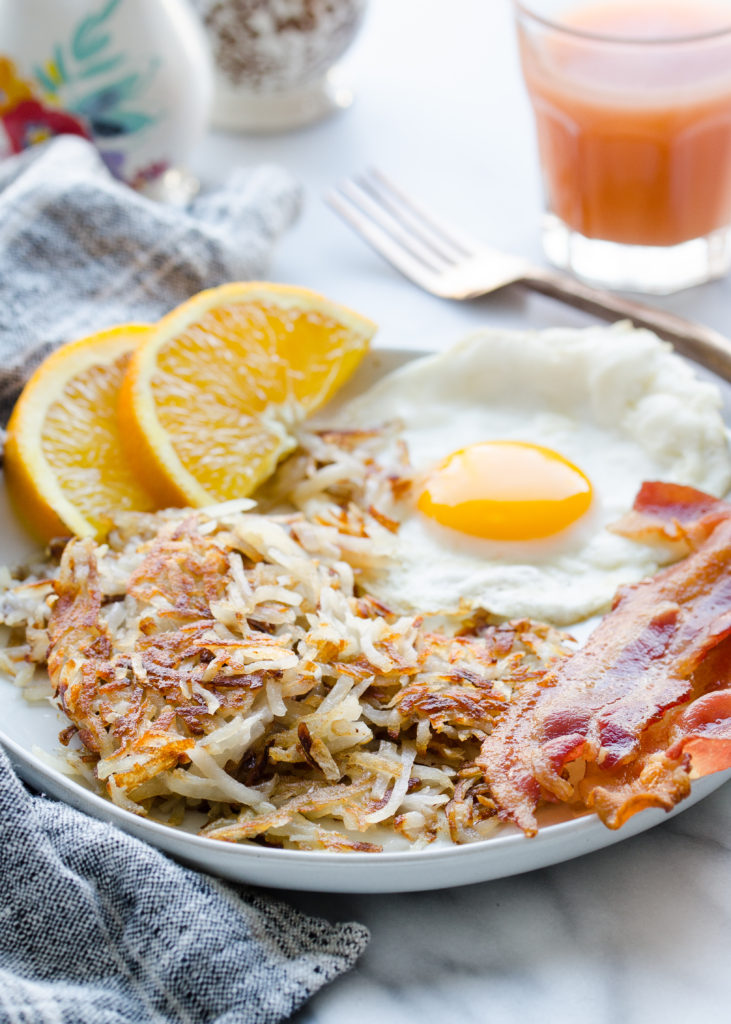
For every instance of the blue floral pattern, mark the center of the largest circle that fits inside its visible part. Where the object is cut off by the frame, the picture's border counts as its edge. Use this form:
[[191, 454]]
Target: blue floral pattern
[[86, 86]]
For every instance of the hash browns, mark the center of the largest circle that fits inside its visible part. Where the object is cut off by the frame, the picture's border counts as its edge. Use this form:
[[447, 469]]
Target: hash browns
[[233, 662]]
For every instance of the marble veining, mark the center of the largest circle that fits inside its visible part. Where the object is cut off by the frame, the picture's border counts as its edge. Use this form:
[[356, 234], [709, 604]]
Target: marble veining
[[638, 933]]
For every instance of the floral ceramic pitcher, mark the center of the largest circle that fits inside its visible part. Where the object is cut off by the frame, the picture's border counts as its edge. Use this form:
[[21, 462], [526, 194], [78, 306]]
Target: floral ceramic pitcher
[[131, 75]]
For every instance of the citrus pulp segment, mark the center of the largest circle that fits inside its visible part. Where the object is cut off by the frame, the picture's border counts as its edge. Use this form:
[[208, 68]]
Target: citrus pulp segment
[[210, 397]]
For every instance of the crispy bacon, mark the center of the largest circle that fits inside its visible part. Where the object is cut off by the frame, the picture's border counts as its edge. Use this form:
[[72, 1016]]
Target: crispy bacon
[[673, 516], [645, 700], [703, 730]]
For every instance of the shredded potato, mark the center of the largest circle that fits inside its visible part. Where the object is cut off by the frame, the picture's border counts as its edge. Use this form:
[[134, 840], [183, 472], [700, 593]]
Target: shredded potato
[[233, 662]]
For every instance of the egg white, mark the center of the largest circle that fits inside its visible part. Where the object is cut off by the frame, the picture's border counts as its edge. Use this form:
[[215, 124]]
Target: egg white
[[614, 401]]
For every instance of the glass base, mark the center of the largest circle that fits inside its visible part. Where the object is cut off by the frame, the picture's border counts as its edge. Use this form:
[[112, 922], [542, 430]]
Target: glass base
[[261, 112], [658, 270]]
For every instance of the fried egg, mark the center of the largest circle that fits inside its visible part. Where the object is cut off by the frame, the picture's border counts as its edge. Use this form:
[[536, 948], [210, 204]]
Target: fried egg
[[525, 447]]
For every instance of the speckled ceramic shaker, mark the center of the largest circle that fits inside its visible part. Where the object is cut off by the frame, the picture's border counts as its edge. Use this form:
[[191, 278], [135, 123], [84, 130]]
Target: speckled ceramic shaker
[[274, 60]]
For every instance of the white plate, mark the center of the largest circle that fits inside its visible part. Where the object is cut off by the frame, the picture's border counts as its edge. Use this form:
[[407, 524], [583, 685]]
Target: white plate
[[29, 728]]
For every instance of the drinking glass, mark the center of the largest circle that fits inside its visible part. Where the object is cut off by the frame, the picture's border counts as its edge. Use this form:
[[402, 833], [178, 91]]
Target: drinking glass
[[632, 104]]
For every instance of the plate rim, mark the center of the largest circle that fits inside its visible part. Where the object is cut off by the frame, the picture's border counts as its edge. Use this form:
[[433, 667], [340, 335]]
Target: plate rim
[[578, 824]]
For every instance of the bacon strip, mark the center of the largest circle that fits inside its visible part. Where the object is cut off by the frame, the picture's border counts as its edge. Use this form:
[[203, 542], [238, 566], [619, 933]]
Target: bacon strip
[[611, 704], [704, 731], [674, 516]]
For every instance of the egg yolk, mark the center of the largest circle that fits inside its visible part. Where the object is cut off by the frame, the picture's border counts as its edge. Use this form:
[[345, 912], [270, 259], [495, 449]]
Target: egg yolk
[[506, 490]]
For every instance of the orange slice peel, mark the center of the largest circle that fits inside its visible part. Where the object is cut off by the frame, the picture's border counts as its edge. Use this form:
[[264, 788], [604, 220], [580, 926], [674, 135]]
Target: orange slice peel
[[64, 465]]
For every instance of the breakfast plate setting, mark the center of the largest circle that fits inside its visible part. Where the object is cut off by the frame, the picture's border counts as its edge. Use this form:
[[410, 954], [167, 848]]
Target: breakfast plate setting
[[323, 686], [365, 512]]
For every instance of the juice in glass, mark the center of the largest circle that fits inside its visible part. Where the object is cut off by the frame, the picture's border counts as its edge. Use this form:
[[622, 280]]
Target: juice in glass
[[632, 103]]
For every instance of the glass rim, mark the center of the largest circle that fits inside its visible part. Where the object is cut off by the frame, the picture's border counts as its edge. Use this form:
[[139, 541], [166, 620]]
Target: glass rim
[[523, 8]]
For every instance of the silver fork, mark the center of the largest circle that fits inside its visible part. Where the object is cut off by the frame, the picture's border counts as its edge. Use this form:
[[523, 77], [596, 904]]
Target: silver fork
[[446, 262]]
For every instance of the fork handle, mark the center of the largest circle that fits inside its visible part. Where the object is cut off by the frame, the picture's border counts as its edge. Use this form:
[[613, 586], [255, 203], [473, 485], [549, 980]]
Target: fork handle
[[700, 343]]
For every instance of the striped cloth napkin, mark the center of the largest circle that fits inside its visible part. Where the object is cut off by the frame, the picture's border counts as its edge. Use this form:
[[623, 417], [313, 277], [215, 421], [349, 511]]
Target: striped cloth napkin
[[97, 927], [80, 252]]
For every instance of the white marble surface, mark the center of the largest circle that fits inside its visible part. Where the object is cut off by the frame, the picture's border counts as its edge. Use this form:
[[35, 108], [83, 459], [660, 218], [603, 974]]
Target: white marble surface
[[639, 932]]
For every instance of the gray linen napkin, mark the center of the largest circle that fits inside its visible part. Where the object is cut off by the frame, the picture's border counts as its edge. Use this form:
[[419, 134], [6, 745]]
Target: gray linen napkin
[[98, 928], [80, 252], [95, 926]]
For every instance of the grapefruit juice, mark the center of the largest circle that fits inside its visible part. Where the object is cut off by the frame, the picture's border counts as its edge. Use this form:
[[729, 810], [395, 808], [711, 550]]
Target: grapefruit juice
[[632, 104]]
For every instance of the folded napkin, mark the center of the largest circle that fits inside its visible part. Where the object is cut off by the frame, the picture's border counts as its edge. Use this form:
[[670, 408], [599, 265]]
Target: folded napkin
[[80, 252], [97, 927]]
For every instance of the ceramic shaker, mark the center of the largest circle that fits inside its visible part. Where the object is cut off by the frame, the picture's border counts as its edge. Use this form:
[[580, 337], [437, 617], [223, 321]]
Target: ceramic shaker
[[133, 76], [275, 60]]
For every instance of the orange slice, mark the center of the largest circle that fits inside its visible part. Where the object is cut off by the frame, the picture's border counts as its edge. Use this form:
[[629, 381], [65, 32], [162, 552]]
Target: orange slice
[[64, 464], [210, 397]]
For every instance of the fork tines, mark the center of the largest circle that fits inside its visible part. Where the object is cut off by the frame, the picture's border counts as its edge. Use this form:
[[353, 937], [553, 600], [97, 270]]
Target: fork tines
[[411, 238]]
